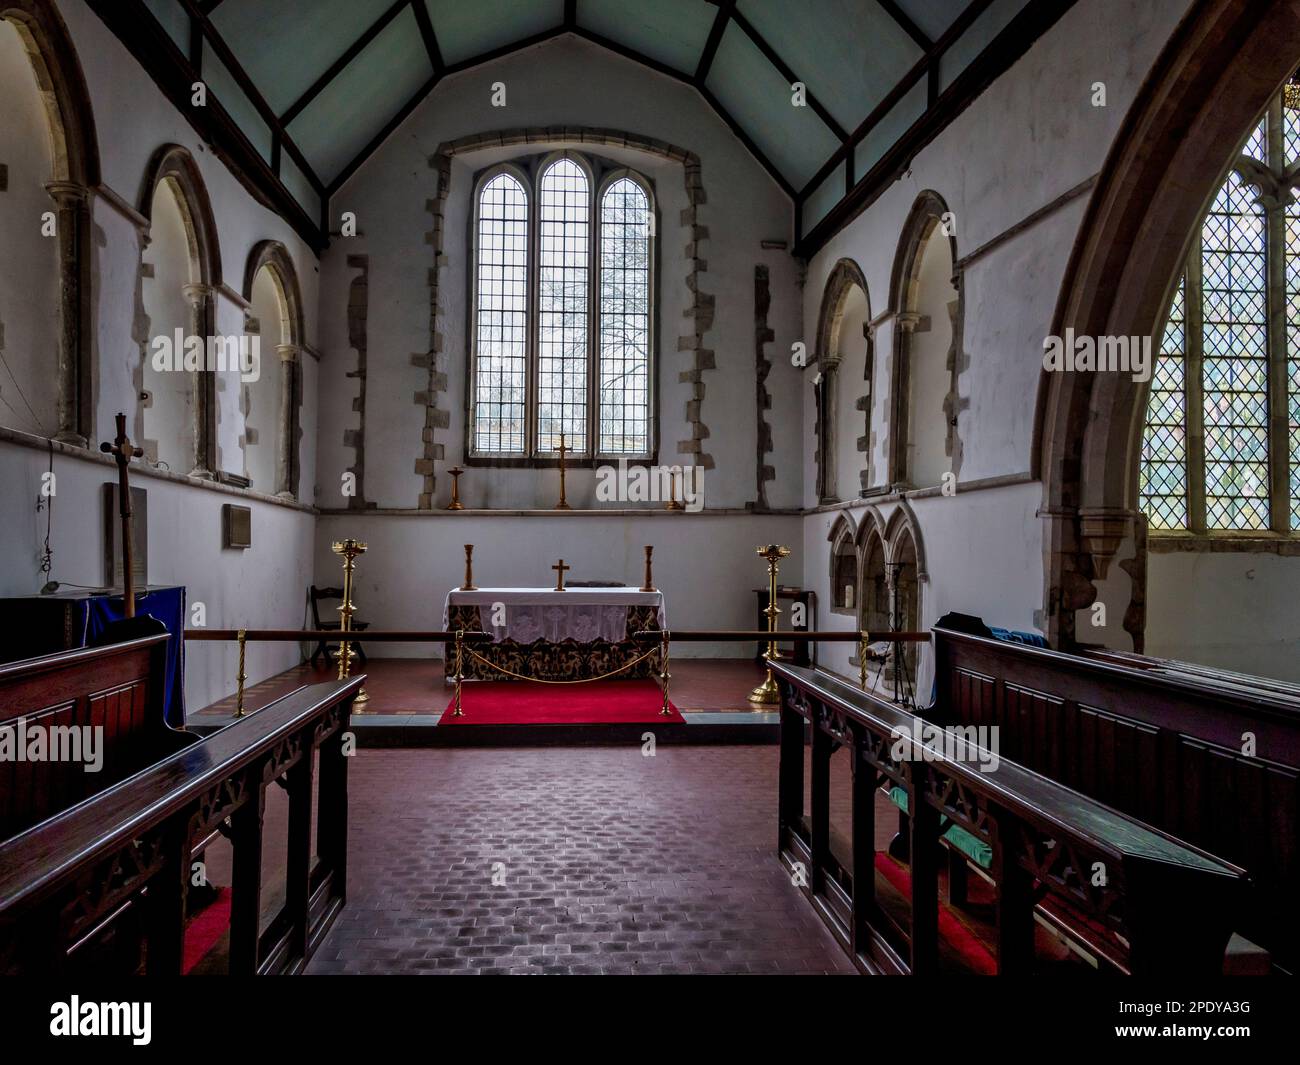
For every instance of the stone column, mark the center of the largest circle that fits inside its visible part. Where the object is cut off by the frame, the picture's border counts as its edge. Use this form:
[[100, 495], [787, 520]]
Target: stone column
[[204, 422], [828, 430], [905, 324], [285, 464], [72, 221]]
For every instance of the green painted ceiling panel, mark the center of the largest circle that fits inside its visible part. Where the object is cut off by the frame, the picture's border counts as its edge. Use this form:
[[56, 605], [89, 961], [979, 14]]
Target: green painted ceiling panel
[[673, 32], [847, 52], [221, 84], [357, 104], [892, 126], [823, 198], [285, 47], [753, 92], [932, 17], [976, 39], [467, 28], [298, 185], [174, 20]]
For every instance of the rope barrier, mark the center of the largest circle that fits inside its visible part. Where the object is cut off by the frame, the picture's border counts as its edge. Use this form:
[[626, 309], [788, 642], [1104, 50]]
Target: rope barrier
[[581, 680]]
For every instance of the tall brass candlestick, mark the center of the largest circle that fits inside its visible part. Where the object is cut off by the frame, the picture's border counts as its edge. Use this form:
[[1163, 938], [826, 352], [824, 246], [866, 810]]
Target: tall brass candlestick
[[563, 504], [767, 693], [649, 585], [349, 550]]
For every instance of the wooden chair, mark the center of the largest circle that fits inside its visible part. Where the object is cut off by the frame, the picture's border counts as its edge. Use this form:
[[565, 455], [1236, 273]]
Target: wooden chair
[[322, 646]]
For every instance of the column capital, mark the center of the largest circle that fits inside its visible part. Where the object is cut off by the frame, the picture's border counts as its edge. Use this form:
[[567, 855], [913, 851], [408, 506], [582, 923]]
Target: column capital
[[288, 352], [196, 292], [67, 193], [907, 320]]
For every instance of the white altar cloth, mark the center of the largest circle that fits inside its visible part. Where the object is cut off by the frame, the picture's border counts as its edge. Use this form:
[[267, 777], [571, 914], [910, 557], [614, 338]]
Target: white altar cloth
[[580, 614]]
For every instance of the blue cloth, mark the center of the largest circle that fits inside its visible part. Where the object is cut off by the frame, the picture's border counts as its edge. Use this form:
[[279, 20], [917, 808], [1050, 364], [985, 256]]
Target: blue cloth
[[1033, 639], [166, 605]]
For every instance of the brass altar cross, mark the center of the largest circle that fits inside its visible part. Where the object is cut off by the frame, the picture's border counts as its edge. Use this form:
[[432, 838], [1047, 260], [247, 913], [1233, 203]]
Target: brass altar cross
[[123, 451], [559, 568]]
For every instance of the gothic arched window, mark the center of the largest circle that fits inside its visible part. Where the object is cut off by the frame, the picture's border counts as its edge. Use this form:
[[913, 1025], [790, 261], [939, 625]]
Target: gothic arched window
[[1221, 446], [563, 320]]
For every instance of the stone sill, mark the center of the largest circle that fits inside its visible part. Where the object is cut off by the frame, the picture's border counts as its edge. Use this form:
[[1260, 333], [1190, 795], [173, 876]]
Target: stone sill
[[1252, 543], [138, 470], [897, 493]]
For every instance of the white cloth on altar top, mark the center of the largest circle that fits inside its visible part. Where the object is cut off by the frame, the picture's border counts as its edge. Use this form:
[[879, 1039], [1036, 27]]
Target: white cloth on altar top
[[580, 614]]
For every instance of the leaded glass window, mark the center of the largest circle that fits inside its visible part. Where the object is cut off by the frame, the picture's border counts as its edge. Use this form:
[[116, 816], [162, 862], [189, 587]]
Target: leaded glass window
[[1221, 446], [563, 311]]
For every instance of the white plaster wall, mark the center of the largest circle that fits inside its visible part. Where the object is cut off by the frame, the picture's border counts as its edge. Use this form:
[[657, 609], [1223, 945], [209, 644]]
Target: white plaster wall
[[851, 386], [264, 586], [703, 563], [1234, 610], [29, 261], [564, 82], [1025, 142], [930, 376]]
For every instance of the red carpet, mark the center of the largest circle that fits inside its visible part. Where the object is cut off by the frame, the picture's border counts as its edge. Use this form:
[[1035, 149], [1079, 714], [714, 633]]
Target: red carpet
[[953, 933], [602, 702], [205, 929]]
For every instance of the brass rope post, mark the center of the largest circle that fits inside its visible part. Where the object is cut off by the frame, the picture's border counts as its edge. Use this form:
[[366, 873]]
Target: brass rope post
[[767, 693], [664, 675], [864, 638], [456, 710], [240, 677], [349, 549]]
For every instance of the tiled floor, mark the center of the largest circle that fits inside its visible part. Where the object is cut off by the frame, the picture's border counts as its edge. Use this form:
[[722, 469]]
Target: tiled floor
[[414, 686], [570, 860]]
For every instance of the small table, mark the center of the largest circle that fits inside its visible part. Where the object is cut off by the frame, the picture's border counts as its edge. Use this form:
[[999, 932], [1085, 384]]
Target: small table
[[543, 634]]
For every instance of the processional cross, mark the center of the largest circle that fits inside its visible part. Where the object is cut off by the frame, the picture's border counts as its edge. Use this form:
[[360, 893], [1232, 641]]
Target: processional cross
[[123, 451], [560, 568]]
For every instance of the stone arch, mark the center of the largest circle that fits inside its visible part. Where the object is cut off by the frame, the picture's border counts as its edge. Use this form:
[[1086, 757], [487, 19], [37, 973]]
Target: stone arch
[[903, 522], [75, 159], [1214, 77], [845, 278], [173, 167], [284, 353], [844, 566], [927, 219], [873, 553]]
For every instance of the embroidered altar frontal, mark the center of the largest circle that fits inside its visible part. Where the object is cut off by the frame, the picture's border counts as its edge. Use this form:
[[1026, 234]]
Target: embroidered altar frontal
[[541, 634]]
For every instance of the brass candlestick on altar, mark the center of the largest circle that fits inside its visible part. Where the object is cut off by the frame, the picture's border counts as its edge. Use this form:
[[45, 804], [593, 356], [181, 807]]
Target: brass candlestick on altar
[[349, 550], [468, 586], [673, 502], [649, 585], [455, 503], [563, 504], [767, 693]]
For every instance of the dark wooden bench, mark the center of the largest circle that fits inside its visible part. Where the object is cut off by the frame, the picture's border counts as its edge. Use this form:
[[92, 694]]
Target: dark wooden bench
[[115, 870], [116, 689], [1162, 906], [1210, 759]]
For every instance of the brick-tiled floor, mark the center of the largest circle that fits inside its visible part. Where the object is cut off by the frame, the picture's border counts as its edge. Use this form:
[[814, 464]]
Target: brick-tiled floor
[[605, 861]]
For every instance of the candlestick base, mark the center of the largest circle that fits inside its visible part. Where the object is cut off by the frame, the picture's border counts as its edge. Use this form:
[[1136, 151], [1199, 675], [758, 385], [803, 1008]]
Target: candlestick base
[[767, 693]]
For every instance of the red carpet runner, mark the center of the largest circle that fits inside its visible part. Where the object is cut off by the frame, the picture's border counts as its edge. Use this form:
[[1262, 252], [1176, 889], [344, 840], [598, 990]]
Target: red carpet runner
[[602, 702]]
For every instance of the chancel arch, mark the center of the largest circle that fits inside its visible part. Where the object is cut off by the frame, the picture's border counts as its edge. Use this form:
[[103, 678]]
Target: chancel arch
[[1146, 213], [272, 399], [845, 360], [51, 159], [180, 271], [925, 296]]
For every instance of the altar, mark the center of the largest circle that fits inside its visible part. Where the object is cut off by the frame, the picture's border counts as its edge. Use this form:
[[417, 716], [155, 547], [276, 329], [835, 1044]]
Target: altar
[[544, 634]]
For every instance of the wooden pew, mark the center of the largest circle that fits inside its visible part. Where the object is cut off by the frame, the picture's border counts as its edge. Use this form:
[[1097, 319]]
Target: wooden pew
[[1165, 907], [1168, 747], [115, 870], [116, 688]]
